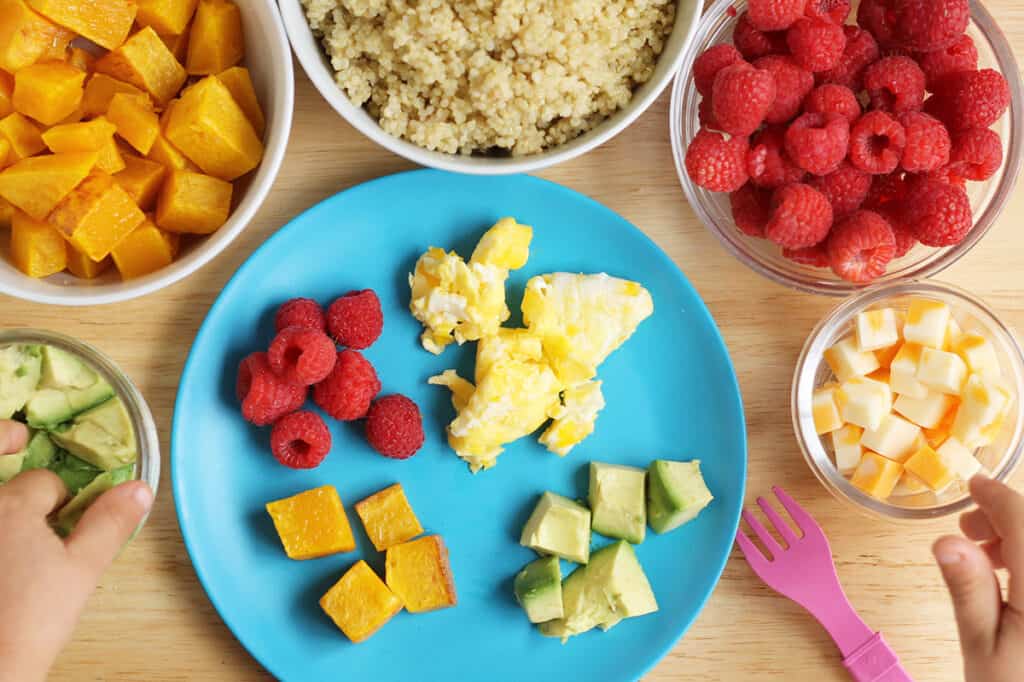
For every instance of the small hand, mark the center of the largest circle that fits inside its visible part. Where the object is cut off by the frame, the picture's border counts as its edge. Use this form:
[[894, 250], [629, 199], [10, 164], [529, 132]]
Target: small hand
[[13, 437], [991, 629]]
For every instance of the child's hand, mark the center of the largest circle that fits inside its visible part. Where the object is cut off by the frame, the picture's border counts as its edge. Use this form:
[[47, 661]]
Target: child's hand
[[13, 437], [991, 630]]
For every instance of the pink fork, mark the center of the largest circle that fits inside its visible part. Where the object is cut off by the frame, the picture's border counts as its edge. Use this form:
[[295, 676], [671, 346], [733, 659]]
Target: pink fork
[[803, 571]]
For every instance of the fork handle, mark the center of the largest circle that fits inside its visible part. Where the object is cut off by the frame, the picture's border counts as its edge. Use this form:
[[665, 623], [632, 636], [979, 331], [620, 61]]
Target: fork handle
[[875, 661]]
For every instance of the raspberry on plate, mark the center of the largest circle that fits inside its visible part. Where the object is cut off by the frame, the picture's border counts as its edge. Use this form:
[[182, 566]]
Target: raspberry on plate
[[861, 246], [740, 98], [753, 43], [710, 62], [977, 154], [300, 440], [876, 17], [926, 25], [775, 15], [818, 143], [815, 256], [970, 99], [800, 216], [265, 396], [792, 83], [845, 188], [750, 209], [768, 164], [302, 355], [927, 146], [876, 143], [835, 11], [860, 51], [831, 98], [939, 213], [816, 44], [355, 320], [300, 312], [717, 162], [394, 427], [347, 391], [895, 85], [962, 55]]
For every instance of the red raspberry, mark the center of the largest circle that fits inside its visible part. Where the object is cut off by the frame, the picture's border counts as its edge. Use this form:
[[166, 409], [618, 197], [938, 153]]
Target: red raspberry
[[876, 143], [845, 188], [741, 97], [815, 256], [886, 189], [860, 51], [833, 99], [876, 17], [861, 246], [801, 217], [927, 145], [792, 83], [753, 43], [355, 320], [300, 440], [265, 397], [904, 235], [299, 312], [347, 391], [926, 25], [939, 213], [705, 115], [960, 56], [971, 99], [394, 427], [818, 143], [717, 163], [895, 84], [767, 162], [948, 175], [977, 154], [835, 11], [710, 62], [750, 209], [301, 355], [775, 15], [816, 44]]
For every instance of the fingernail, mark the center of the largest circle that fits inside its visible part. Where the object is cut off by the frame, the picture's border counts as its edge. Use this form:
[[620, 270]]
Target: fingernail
[[949, 558], [143, 496]]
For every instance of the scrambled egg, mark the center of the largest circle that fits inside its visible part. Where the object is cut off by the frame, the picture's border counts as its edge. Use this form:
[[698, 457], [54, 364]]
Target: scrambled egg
[[574, 419]]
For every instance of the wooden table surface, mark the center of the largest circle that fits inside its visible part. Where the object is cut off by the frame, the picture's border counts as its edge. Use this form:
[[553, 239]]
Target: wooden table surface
[[150, 619]]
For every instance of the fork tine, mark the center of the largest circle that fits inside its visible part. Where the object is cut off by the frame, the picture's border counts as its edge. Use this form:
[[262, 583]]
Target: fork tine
[[754, 557], [783, 528], [804, 521], [769, 542]]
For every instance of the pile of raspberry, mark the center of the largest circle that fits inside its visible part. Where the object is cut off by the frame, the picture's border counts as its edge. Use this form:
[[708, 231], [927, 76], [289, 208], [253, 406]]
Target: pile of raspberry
[[847, 145], [272, 386]]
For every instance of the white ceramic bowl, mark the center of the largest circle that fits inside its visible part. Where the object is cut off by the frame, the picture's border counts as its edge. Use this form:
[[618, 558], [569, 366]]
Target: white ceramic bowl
[[268, 60], [317, 66]]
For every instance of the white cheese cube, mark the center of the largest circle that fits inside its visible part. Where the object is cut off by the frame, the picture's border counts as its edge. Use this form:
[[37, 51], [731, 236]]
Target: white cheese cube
[[909, 484], [953, 334], [927, 322], [941, 371], [864, 402], [876, 329], [847, 448], [895, 438], [926, 412], [846, 361], [979, 354], [825, 410], [982, 410], [958, 459], [903, 372]]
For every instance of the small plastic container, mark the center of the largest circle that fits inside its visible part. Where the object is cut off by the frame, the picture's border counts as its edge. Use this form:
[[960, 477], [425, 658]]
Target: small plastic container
[[999, 459], [147, 468]]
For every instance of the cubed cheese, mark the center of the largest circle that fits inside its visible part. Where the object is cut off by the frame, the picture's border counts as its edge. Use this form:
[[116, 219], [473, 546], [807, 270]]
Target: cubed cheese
[[825, 410], [978, 353], [894, 438], [927, 322], [876, 475], [847, 448], [847, 361], [886, 355], [864, 402], [903, 372], [941, 371], [958, 459], [926, 412], [927, 466], [876, 329], [909, 484], [984, 404], [953, 333]]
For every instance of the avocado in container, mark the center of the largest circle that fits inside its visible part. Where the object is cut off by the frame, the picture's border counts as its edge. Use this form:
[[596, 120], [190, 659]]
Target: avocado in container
[[87, 422]]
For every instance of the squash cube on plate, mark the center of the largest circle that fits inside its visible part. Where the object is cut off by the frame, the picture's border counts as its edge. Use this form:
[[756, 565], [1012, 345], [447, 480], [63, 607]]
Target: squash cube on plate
[[7, 211], [312, 524], [37, 184], [142, 179], [96, 215], [24, 35], [100, 89], [419, 574], [216, 41], [137, 123], [48, 92], [147, 249], [82, 266], [6, 93], [388, 518], [5, 152], [145, 62], [177, 44], [23, 135], [96, 135], [238, 81], [59, 47], [104, 22], [360, 603], [167, 17], [193, 202], [36, 248]]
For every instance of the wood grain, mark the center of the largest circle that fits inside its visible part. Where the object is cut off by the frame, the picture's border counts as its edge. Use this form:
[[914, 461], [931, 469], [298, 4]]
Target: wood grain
[[150, 619]]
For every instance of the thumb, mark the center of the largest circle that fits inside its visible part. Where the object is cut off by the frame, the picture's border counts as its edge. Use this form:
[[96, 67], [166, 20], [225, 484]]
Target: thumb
[[13, 436], [974, 589], [108, 524]]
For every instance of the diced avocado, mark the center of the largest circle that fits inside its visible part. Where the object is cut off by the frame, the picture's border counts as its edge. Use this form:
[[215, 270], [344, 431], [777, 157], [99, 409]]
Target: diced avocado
[[617, 501], [538, 589], [584, 604], [51, 407], [102, 436], [676, 494], [559, 526], [10, 465], [20, 367], [40, 452], [87, 398], [76, 473], [63, 370], [70, 513]]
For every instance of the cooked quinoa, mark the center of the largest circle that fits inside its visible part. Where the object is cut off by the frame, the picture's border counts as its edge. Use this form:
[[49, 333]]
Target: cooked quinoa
[[491, 76]]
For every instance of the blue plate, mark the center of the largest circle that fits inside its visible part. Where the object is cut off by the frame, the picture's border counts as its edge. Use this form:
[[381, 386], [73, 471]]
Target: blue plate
[[671, 393]]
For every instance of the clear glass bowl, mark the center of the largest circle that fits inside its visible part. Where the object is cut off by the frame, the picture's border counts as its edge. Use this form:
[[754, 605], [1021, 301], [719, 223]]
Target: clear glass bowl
[[147, 468], [999, 459], [987, 198]]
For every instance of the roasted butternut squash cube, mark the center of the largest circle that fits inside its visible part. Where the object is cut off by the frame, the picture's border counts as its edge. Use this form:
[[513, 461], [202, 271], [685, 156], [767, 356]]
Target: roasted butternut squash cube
[[388, 518], [193, 202], [360, 603], [81, 59], [100, 89], [37, 249], [96, 216], [215, 41], [96, 135], [239, 83], [7, 211], [84, 267], [312, 524], [24, 35], [167, 155], [23, 135], [6, 93], [104, 22], [142, 179], [48, 92], [419, 574], [167, 17], [136, 122], [147, 249], [177, 44], [59, 48], [145, 62], [37, 184], [5, 152]]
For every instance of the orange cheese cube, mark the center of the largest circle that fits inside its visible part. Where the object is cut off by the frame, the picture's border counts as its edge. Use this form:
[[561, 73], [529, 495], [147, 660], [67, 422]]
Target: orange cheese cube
[[360, 603], [145, 62], [928, 466], [167, 17], [6, 93], [7, 211], [37, 184], [49, 92], [177, 44], [876, 475], [136, 122], [104, 22], [81, 60], [23, 135], [142, 179], [36, 248], [96, 215], [239, 83], [216, 41], [312, 524], [100, 89], [145, 250], [82, 266], [24, 35], [886, 355], [96, 135], [419, 574], [388, 518], [193, 202]]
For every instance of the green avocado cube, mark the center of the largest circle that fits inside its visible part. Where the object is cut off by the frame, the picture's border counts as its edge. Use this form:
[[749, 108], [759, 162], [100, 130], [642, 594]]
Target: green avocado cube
[[676, 494], [63, 370], [103, 436], [617, 501], [538, 589], [558, 526], [20, 368], [71, 513]]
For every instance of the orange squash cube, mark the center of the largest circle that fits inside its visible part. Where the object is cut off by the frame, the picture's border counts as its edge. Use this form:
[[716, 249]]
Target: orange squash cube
[[81, 60], [167, 17], [96, 135], [388, 518], [142, 179], [216, 41], [136, 122], [312, 524], [24, 35], [6, 93], [96, 216], [360, 603], [419, 574], [145, 62], [84, 267], [48, 92], [239, 83], [167, 155], [104, 22], [147, 249], [23, 135], [7, 211], [37, 184], [177, 44], [193, 202], [36, 248], [100, 89], [59, 47], [5, 152]]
